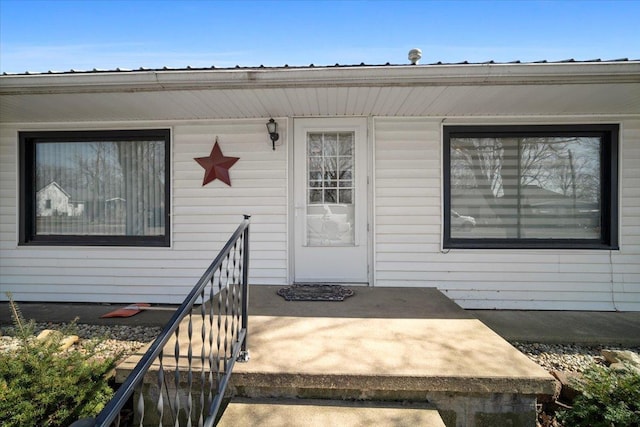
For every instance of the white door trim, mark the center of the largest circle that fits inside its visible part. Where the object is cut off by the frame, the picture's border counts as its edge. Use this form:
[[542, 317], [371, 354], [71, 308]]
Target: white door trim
[[367, 160]]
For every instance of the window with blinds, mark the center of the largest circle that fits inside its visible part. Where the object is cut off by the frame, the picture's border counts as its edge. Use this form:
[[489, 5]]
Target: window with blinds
[[531, 186], [95, 187]]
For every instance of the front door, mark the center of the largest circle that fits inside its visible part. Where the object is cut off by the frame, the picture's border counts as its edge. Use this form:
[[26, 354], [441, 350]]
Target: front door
[[330, 192]]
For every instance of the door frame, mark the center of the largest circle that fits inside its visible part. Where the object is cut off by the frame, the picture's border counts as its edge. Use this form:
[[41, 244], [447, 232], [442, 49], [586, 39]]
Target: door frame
[[370, 189]]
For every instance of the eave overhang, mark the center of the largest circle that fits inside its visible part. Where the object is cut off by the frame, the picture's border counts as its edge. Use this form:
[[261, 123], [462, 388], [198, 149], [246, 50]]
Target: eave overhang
[[592, 89], [374, 76]]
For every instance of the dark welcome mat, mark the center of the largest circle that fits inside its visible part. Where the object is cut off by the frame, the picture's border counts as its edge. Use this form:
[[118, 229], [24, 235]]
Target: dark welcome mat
[[315, 292]]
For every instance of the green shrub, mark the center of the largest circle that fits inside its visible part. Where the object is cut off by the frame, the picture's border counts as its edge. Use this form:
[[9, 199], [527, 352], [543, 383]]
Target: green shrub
[[42, 386], [608, 397]]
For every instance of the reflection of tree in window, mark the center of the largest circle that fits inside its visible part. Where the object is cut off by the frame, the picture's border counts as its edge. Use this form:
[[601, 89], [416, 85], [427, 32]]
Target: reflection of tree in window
[[510, 177], [330, 167], [330, 189], [121, 184]]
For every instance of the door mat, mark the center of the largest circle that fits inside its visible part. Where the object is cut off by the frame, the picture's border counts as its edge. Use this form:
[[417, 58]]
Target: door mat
[[315, 292]]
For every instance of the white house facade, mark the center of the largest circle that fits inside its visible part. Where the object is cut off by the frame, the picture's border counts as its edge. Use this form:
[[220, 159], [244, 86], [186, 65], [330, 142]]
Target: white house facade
[[508, 186], [53, 200]]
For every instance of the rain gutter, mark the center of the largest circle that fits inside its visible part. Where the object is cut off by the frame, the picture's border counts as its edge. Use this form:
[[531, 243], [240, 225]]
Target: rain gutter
[[373, 76]]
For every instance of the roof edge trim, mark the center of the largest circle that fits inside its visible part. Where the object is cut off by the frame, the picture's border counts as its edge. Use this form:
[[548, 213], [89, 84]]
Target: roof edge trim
[[470, 74]]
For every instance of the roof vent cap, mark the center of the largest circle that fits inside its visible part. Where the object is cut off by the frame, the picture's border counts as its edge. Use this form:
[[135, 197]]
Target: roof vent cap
[[414, 56]]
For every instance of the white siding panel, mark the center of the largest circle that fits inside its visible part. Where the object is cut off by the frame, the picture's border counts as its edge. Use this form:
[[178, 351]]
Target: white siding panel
[[258, 187], [407, 202], [8, 200], [627, 262], [203, 218], [408, 236]]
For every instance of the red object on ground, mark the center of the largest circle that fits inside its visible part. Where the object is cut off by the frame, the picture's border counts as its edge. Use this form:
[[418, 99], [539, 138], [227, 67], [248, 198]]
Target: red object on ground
[[127, 311]]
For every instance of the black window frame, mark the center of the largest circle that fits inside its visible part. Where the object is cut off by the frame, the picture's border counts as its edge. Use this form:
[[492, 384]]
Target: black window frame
[[609, 133], [27, 187]]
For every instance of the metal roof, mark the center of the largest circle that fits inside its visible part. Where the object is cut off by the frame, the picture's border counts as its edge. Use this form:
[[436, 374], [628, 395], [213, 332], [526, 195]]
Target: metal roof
[[286, 66]]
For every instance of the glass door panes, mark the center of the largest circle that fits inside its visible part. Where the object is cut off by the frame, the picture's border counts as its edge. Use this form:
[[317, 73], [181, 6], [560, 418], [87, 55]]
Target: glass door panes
[[330, 188]]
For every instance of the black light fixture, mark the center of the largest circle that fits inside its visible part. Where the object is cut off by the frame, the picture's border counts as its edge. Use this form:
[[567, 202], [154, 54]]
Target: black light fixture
[[272, 128]]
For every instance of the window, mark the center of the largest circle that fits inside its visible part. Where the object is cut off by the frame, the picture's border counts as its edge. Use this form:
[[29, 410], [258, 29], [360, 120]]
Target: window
[[531, 186], [95, 188], [330, 188]]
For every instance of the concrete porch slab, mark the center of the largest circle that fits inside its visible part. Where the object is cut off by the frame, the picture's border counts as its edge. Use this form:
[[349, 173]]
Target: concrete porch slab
[[381, 339], [382, 344]]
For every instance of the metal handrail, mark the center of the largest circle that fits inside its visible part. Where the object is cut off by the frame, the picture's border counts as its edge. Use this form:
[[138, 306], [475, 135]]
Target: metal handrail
[[111, 411]]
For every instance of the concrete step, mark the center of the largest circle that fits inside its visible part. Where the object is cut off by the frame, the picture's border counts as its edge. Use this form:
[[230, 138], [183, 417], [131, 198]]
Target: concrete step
[[322, 413]]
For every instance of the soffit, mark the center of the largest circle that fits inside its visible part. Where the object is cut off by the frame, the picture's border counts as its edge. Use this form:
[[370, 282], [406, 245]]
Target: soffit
[[411, 92]]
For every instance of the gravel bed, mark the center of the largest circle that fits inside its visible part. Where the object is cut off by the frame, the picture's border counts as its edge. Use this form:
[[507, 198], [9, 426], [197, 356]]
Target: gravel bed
[[113, 339], [567, 357]]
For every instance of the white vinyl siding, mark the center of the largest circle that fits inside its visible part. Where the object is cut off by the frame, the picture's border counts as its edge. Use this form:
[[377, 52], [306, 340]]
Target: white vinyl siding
[[408, 243], [407, 227], [626, 262], [205, 216], [8, 193], [202, 219]]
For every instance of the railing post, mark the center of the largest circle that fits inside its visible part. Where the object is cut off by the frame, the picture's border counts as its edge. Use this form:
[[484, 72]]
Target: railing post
[[244, 352]]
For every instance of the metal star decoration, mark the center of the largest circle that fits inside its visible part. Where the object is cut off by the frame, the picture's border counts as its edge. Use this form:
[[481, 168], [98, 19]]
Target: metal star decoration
[[216, 165]]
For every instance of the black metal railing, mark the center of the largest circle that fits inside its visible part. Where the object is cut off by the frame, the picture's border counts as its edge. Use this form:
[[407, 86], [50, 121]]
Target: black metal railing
[[186, 382]]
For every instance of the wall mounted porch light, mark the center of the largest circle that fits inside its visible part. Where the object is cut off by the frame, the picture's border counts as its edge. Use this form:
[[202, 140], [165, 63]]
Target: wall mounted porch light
[[272, 128]]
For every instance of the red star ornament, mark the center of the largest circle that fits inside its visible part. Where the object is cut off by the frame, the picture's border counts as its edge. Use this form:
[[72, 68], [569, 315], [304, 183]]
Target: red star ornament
[[216, 166]]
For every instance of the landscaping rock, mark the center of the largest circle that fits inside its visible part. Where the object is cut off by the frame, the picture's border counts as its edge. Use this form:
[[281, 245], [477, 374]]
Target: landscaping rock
[[47, 334], [622, 359], [567, 382], [617, 356], [68, 341], [65, 342]]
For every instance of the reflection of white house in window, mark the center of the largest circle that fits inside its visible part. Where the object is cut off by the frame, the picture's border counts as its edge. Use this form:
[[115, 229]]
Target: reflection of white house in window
[[53, 200]]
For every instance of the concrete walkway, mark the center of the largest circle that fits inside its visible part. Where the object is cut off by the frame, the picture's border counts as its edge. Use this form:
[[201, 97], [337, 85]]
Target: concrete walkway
[[85, 313], [564, 327], [605, 328]]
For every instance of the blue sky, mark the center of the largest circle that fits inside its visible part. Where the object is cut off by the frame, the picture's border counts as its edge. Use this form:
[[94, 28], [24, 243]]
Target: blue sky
[[42, 35]]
